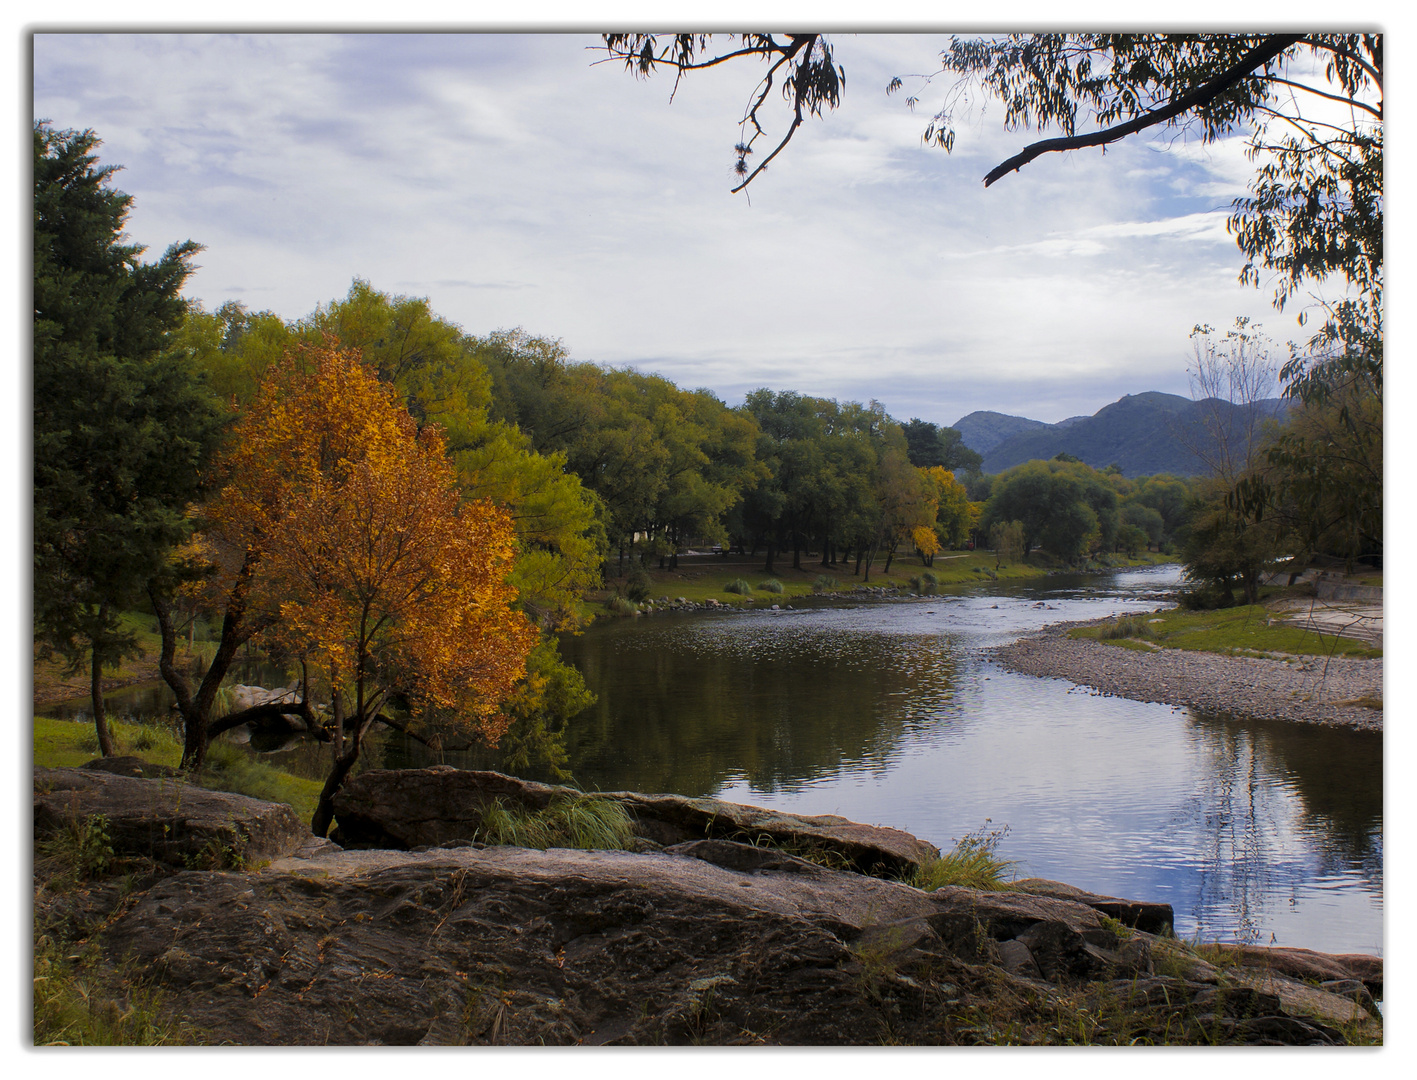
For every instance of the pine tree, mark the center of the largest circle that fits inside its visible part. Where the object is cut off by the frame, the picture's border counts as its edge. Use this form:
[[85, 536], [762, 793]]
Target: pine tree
[[121, 428]]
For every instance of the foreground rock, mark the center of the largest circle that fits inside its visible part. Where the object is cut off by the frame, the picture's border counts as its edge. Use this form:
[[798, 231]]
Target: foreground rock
[[1311, 690], [166, 820], [412, 808], [707, 941]]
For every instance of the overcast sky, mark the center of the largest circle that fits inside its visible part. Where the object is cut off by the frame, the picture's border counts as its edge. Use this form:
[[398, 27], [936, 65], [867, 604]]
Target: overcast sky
[[515, 183]]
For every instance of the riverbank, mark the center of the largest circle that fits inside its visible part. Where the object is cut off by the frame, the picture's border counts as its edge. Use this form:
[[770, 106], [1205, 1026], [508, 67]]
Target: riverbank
[[699, 582], [1309, 690]]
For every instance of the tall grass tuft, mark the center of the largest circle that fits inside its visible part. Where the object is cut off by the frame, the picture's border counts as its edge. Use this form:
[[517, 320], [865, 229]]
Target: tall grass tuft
[[971, 863], [1127, 626], [586, 822], [771, 585], [618, 605], [739, 586], [824, 583]]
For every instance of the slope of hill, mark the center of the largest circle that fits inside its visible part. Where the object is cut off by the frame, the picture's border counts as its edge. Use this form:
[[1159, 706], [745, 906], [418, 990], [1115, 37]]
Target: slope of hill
[[982, 431], [1142, 433]]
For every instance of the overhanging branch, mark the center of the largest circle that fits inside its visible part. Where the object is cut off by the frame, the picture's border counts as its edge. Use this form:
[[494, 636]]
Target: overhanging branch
[[1263, 53]]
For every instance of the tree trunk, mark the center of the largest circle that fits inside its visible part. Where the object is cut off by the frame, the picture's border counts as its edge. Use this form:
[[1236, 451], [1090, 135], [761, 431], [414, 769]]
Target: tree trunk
[[100, 718], [772, 550], [325, 809]]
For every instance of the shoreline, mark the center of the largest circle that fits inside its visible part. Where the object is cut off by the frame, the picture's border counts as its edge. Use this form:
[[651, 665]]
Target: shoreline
[[1306, 690]]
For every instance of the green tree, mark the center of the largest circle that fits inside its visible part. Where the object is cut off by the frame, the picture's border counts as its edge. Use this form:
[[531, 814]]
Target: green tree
[[1064, 507], [122, 426], [932, 445]]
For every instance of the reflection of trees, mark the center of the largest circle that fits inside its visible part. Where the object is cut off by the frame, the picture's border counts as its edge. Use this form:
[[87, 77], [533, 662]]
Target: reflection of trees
[[1249, 823], [686, 708]]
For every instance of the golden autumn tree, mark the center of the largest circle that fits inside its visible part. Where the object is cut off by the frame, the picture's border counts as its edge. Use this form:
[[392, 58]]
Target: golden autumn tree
[[361, 558]]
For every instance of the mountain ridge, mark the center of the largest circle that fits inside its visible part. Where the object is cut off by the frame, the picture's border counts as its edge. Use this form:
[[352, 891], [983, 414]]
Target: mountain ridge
[[1144, 434]]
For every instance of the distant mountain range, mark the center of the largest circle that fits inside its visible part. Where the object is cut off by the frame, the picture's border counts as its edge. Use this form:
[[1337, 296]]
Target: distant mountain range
[[1144, 434]]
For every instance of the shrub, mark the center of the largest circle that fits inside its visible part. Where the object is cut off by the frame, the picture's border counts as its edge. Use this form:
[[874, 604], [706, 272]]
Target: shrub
[[637, 588], [739, 586], [771, 585], [824, 583], [929, 578], [78, 851]]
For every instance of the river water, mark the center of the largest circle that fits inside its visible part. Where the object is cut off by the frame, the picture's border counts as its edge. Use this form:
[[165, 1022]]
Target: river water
[[888, 713]]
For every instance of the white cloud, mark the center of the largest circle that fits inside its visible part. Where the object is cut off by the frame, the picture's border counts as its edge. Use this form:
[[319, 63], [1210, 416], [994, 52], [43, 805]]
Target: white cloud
[[515, 184]]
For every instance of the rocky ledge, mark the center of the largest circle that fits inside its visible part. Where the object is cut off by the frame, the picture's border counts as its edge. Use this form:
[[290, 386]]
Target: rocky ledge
[[706, 940], [1310, 690]]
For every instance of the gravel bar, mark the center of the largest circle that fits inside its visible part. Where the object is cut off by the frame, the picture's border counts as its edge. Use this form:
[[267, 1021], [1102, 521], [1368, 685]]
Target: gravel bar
[[1309, 690]]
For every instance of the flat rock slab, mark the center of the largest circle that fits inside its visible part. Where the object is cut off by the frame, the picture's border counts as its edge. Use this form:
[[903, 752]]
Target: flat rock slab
[[716, 943], [1154, 918], [1309, 965], [167, 820], [414, 808]]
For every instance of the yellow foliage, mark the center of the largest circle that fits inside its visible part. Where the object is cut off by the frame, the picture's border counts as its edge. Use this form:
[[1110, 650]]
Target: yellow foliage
[[926, 542], [361, 543]]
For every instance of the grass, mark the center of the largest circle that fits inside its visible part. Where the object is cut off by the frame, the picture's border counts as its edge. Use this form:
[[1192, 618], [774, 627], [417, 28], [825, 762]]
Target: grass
[[1252, 630], [586, 822], [75, 1004], [971, 864], [69, 744]]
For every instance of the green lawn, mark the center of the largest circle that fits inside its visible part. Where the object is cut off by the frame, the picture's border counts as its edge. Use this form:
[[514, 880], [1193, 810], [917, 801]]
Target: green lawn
[[1251, 630], [68, 744]]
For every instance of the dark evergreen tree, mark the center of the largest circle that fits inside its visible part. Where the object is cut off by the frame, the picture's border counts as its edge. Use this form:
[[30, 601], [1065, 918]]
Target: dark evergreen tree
[[122, 428]]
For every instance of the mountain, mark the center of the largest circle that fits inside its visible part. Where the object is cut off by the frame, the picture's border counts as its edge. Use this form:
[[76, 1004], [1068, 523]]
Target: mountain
[[982, 431], [1144, 434]]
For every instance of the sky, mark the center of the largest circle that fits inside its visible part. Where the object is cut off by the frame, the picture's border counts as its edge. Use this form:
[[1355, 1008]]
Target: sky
[[513, 181]]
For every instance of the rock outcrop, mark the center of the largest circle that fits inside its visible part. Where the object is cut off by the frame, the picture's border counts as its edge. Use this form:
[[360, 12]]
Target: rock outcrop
[[706, 941], [413, 808]]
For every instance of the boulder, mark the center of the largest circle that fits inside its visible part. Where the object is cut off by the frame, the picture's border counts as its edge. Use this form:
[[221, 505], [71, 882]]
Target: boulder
[[412, 808], [167, 820]]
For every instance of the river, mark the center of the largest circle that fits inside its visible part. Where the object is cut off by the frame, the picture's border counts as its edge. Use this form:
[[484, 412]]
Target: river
[[889, 713]]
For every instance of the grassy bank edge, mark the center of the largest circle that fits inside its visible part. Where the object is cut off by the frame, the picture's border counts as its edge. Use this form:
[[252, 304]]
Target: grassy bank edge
[[1248, 630]]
